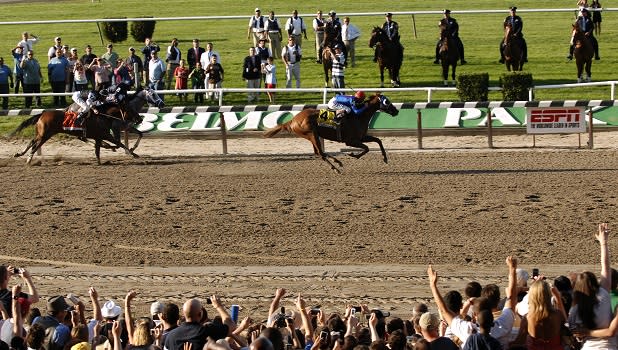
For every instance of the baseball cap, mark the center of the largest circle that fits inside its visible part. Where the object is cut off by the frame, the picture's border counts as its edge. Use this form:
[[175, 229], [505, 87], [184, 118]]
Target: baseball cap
[[429, 321], [332, 13], [110, 45], [156, 308], [447, 11], [513, 8], [58, 38], [257, 9], [388, 14], [131, 48]]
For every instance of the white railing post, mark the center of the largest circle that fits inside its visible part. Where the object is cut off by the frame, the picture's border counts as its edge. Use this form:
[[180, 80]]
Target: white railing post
[[429, 91], [612, 90]]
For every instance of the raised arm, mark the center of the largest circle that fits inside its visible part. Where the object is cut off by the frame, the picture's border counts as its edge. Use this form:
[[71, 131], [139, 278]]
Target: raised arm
[[301, 306], [96, 308], [511, 291], [116, 334], [18, 321], [128, 317], [274, 305], [606, 273], [225, 316], [447, 314], [34, 295]]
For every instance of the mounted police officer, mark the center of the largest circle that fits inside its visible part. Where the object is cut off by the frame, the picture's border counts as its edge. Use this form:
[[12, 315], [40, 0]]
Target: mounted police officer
[[391, 28], [516, 29], [587, 27], [452, 27]]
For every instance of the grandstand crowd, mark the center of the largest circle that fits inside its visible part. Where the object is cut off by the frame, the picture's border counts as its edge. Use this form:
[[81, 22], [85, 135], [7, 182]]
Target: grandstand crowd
[[574, 311]]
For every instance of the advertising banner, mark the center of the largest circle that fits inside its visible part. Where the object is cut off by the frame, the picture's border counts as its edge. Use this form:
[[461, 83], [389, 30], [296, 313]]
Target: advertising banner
[[557, 120]]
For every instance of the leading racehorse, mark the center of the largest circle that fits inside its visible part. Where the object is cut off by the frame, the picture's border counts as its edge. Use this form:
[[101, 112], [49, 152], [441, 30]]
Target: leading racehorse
[[389, 54], [449, 52], [97, 127], [583, 52], [513, 50], [307, 124]]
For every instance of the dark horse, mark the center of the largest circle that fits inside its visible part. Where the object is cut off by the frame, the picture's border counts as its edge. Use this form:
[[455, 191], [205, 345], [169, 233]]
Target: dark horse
[[353, 130], [513, 50], [328, 45], [583, 52], [449, 52], [390, 55], [98, 126]]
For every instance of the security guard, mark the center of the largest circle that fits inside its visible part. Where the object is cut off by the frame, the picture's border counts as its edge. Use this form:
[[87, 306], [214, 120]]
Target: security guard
[[453, 29], [517, 25]]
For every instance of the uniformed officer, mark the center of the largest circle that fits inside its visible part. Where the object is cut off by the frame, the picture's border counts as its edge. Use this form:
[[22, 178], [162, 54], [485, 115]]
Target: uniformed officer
[[391, 28], [587, 27], [517, 25], [452, 28]]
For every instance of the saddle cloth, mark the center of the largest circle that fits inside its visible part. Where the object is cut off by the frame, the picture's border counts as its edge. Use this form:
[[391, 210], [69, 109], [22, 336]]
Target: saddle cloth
[[68, 123], [325, 117]]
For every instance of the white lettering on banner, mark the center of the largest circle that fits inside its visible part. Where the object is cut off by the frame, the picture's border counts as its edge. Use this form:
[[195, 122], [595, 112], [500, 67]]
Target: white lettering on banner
[[252, 121], [504, 117], [453, 116], [147, 123], [201, 121], [272, 119], [168, 121]]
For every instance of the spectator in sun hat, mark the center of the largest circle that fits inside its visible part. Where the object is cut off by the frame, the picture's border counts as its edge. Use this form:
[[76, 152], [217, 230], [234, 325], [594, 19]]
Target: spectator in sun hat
[[156, 308], [57, 309], [111, 312]]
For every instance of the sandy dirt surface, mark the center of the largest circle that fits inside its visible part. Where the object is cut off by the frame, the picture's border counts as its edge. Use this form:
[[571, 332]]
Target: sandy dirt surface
[[185, 221]]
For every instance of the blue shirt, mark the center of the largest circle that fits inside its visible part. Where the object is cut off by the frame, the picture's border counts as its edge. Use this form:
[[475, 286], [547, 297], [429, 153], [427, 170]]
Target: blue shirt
[[5, 73], [17, 59], [57, 69], [350, 102]]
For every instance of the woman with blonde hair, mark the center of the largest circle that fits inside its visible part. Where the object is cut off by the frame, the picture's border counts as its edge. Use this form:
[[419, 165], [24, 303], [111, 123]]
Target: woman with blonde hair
[[139, 332], [543, 319]]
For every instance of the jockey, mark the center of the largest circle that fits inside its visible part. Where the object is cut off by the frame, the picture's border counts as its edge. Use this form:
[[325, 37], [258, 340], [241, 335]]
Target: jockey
[[86, 100], [345, 105], [516, 26], [587, 27], [452, 27], [117, 93]]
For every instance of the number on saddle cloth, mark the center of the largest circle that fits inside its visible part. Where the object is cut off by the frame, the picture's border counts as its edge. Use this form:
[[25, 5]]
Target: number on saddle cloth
[[326, 117], [68, 122]]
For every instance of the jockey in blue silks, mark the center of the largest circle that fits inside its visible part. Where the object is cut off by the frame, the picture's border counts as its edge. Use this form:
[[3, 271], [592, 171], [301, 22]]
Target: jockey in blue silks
[[345, 105]]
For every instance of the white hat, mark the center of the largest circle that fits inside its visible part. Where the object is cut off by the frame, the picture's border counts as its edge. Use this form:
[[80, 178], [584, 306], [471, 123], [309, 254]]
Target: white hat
[[156, 308], [110, 310], [257, 9]]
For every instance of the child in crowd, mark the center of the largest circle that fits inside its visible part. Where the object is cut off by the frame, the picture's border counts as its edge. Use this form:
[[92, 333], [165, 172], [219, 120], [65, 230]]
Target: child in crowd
[[181, 73], [270, 80], [197, 76]]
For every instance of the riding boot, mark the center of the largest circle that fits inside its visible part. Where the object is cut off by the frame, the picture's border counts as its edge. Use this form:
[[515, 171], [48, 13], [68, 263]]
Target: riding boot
[[80, 118], [461, 54], [375, 56], [570, 56], [319, 60]]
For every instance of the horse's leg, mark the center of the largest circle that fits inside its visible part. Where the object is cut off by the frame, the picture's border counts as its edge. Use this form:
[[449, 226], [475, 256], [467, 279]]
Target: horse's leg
[[444, 71], [357, 144], [325, 66], [37, 143], [589, 70], [97, 150], [369, 138], [381, 76], [139, 137], [19, 154], [109, 138], [453, 74], [580, 69]]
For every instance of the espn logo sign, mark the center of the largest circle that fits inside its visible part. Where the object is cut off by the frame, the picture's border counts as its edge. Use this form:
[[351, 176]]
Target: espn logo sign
[[556, 120]]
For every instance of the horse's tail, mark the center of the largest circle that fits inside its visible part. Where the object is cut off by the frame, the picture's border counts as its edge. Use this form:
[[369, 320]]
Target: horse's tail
[[26, 123], [273, 131]]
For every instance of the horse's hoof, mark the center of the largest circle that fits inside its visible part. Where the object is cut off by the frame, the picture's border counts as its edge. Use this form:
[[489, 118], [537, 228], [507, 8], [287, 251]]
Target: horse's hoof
[[16, 155]]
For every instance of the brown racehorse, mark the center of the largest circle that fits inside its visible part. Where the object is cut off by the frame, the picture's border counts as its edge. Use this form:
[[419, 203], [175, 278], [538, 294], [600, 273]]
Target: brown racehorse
[[98, 126], [353, 129], [583, 52], [513, 50], [449, 52], [389, 54]]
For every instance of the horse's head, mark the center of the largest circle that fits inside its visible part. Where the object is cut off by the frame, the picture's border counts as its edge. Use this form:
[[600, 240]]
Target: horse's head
[[153, 98], [384, 104], [508, 28], [377, 35]]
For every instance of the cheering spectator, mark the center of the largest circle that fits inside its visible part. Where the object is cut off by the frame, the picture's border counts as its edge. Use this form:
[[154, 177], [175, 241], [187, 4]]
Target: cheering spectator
[[101, 73], [57, 69], [27, 43], [79, 77], [270, 77], [32, 80], [18, 55], [147, 50], [5, 76]]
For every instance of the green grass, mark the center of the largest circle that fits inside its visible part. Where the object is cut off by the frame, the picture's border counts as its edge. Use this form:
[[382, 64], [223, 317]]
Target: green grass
[[547, 35]]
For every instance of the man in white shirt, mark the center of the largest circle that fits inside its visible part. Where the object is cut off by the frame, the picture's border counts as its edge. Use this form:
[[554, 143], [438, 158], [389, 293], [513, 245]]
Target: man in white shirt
[[257, 24], [206, 56], [318, 28], [26, 42], [349, 34], [296, 27], [291, 55]]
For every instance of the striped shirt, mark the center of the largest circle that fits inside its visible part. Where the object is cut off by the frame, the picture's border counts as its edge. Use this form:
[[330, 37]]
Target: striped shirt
[[338, 65]]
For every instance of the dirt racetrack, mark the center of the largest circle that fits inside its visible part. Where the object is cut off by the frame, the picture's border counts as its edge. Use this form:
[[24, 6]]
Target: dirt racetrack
[[182, 221]]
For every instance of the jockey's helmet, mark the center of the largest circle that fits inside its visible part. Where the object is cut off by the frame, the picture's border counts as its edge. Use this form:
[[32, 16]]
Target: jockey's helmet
[[359, 96]]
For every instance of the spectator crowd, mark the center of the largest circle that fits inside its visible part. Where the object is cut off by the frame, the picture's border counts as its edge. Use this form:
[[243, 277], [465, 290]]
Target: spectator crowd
[[574, 311]]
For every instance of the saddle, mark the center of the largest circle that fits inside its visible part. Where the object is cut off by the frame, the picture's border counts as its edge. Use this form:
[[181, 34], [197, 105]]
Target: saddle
[[326, 117], [68, 123]]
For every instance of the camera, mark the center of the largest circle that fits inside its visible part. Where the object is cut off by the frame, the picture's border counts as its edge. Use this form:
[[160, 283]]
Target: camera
[[16, 271], [352, 312], [535, 272], [315, 311], [357, 308], [324, 335]]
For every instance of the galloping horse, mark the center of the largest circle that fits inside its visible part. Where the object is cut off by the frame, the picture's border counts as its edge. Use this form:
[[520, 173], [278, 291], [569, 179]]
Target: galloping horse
[[353, 129], [449, 52], [389, 54], [134, 105], [583, 52], [50, 123], [513, 51]]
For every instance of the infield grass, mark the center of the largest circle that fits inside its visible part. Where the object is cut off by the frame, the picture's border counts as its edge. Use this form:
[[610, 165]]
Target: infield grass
[[547, 35]]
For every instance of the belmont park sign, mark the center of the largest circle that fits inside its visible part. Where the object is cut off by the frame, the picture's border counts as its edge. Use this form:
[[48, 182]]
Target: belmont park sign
[[198, 121]]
